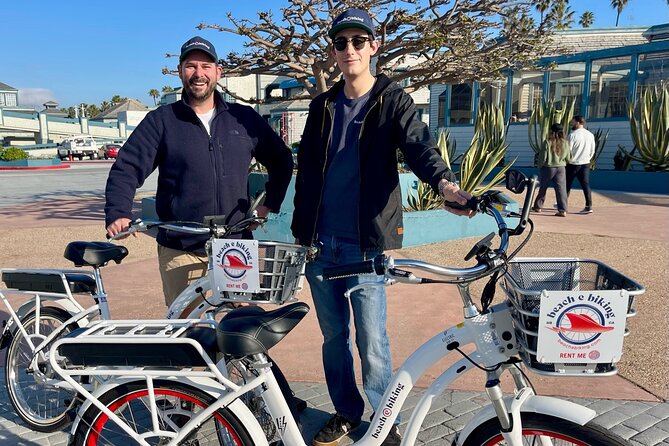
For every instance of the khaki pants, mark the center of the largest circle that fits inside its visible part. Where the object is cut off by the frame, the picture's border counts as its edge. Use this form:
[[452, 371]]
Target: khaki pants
[[178, 269]]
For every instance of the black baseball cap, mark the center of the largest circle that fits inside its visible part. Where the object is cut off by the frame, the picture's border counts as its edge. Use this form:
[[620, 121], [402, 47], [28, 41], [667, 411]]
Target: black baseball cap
[[352, 18], [200, 44]]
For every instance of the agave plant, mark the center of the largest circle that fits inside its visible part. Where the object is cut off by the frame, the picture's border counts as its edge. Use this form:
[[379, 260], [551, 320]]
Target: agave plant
[[543, 116], [447, 147], [600, 142], [485, 152], [622, 160], [649, 124], [426, 198]]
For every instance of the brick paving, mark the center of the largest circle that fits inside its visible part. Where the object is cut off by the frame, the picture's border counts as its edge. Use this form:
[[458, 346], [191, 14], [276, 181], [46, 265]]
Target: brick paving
[[642, 423]]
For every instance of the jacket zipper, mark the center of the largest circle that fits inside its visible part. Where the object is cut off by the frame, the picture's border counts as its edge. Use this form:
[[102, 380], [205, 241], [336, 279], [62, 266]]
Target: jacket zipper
[[362, 127], [325, 163]]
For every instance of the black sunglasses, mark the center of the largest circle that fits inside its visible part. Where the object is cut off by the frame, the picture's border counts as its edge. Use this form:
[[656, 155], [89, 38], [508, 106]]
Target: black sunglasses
[[357, 41]]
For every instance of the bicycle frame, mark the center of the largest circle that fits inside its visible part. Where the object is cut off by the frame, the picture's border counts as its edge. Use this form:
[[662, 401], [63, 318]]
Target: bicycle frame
[[489, 333], [212, 379]]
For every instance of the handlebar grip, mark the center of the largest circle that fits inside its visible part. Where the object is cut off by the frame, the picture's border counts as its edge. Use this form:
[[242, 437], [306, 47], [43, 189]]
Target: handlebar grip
[[471, 205], [375, 265]]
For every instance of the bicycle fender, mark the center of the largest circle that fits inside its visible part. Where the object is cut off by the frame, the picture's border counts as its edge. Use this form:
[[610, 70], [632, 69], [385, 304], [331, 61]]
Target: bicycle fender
[[526, 401], [10, 328]]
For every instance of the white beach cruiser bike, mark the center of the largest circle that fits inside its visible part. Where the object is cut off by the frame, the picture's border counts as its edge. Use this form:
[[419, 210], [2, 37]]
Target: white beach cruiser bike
[[49, 310], [177, 394]]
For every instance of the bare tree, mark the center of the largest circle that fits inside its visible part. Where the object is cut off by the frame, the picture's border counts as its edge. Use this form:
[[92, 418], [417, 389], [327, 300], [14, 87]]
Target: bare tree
[[449, 41]]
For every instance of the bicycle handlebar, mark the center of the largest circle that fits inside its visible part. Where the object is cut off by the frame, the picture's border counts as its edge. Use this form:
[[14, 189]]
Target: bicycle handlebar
[[488, 261], [195, 228]]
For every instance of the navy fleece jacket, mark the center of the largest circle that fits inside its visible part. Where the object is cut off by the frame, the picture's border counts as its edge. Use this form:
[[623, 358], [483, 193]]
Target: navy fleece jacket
[[198, 174]]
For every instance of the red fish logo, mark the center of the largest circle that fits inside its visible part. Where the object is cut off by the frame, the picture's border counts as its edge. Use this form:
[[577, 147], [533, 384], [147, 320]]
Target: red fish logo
[[582, 323], [234, 262]]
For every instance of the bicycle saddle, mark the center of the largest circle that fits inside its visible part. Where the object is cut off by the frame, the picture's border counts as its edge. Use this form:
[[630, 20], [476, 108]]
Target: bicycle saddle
[[250, 330], [94, 254]]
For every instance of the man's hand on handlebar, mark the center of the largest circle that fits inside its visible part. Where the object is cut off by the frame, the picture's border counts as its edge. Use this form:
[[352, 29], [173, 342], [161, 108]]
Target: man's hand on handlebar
[[119, 225], [453, 194], [262, 212]]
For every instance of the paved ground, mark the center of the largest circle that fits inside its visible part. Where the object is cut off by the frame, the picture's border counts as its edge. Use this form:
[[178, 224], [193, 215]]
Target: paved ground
[[642, 423], [627, 231]]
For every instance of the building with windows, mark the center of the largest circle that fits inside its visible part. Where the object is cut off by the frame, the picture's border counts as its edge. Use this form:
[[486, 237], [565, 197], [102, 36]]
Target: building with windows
[[601, 70], [9, 96]]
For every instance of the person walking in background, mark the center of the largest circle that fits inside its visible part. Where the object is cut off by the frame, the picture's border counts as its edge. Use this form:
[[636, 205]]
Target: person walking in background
[[202, 147], [348, 205], [552, 162], [582, 145]]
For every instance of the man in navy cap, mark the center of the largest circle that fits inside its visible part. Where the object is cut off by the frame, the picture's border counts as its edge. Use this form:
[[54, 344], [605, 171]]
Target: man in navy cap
[[202, 148], [348, 205]]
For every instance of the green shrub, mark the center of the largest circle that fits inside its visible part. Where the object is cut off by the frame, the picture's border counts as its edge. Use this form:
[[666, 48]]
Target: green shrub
[[13, 154]]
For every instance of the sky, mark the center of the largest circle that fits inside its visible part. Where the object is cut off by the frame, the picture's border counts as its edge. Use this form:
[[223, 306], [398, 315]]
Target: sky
[[75, 51]]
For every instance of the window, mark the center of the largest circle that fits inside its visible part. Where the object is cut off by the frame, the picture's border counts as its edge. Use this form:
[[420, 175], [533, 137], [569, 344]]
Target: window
[[494, 93], [461, 104], [609, 87], [527, 91], [11, 100], [441, 117], [566, 85], [653, 71], [2, 99]]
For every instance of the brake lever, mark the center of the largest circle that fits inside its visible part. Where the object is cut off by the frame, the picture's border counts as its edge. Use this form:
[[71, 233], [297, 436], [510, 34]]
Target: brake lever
[[387, 281]]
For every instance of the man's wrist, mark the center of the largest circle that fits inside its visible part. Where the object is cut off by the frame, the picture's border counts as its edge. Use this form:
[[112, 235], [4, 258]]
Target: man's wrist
[[442, 185]]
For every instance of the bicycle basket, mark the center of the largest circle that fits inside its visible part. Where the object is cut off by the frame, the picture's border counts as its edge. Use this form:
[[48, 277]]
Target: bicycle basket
[[530, 281], [281, 275]]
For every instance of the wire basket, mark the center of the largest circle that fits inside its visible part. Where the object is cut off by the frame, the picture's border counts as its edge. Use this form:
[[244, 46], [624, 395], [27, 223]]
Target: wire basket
[[525, 281], [281, 270]]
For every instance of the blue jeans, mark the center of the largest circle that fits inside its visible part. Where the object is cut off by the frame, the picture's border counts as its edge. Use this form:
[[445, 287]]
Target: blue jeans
[[334, 318]]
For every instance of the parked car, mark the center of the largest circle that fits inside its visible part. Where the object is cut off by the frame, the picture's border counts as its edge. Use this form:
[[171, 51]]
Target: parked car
[[78, 146], [109, 150]]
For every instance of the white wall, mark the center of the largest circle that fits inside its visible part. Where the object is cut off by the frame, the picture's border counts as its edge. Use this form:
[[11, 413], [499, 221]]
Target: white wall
[[132, 117]]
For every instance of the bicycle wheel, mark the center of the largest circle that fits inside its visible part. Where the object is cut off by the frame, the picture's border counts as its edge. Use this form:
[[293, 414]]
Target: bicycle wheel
[[538, 427], [41, 406], [176, 404]]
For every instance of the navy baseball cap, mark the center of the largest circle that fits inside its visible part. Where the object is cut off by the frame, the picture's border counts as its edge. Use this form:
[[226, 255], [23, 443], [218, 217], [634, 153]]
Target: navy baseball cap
[[352, 18], [200, 44]]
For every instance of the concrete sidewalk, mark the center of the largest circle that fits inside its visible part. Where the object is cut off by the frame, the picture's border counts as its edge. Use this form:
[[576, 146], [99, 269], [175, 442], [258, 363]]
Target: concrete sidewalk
[[415, 315]]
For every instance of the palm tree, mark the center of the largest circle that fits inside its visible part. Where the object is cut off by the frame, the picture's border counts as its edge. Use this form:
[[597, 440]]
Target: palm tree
[[154, 94], [168, 89], [587, 19], [561, 15], [618, 5], [542, 6]]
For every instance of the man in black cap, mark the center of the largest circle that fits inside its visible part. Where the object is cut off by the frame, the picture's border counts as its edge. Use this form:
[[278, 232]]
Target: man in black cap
[[349, 149], [202, 148]]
